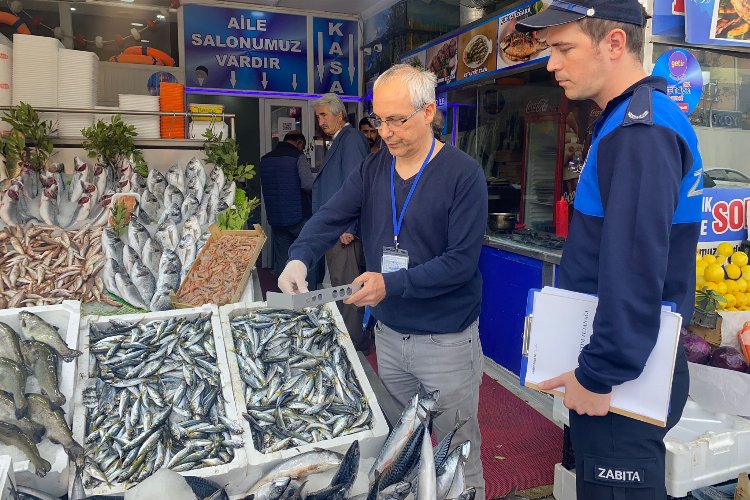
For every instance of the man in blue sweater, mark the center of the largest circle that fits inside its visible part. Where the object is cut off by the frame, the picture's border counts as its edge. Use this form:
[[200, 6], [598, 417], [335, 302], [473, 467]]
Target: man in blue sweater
[[422, 207], [632, 240]]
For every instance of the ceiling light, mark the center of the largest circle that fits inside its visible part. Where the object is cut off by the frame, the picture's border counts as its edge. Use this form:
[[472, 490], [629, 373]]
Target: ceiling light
[[160, 17], [137, 25], [73, 9], [145, 41]]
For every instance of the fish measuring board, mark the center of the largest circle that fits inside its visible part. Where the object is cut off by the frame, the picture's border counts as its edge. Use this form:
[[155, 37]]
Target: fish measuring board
[[370, 441], [229, 474], [66, 317], [216, 234]]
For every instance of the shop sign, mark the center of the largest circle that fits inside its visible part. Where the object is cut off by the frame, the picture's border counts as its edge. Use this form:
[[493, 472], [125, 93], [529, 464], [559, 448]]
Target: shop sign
[[233, 48], [540, 105], [684, 77], [726, 119], [335, 43], [724, 214], [668, 18], [489, 48], [710, 22]]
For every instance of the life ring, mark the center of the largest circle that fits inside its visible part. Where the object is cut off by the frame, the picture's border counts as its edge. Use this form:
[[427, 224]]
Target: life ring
[[15, 22], [136, 59], [148, 51]]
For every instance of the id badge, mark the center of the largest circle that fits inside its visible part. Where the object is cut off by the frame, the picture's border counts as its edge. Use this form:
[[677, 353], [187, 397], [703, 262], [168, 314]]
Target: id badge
[[394, 259]]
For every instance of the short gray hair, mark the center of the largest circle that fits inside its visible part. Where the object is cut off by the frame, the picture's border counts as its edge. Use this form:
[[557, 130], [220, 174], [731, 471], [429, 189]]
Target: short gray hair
[[332, 100], [421, 83]]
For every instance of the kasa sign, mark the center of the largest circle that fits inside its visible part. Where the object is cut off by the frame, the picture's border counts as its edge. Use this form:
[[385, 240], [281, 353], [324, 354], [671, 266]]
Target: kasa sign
[[724, 214]]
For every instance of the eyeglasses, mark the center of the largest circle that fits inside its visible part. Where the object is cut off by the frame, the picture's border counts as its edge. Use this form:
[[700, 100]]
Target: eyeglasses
[[393, 123]]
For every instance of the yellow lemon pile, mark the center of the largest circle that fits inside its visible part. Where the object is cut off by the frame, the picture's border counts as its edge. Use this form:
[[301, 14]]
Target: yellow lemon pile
[[727, 273]]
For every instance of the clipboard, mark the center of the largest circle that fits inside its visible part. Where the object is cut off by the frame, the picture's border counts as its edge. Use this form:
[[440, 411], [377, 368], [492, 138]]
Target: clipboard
[[558, 325]]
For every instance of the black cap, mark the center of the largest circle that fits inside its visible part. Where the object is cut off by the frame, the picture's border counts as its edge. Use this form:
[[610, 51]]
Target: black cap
[[560, 12]]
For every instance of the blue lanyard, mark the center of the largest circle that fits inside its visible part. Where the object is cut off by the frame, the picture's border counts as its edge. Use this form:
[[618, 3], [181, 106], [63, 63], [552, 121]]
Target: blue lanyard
[[397, 223]]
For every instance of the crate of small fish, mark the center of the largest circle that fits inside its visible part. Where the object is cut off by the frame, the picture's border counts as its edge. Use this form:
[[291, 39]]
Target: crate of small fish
[[153, 392], [37, 374], [300, 383], [220, 273]]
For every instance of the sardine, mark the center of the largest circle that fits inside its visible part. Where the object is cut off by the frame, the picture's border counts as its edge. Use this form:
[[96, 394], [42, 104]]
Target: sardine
[[13, 381], [43, 412], [42, 362], [10, 436], [35, 328]]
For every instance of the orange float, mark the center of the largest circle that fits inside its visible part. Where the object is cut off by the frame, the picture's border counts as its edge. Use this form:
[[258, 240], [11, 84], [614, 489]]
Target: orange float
[[148, 51], [15, 22], [136, 59]]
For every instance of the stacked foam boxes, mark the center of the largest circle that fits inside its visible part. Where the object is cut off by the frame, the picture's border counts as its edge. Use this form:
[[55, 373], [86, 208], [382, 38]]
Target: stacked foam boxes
[[36, 72], [77, 87]]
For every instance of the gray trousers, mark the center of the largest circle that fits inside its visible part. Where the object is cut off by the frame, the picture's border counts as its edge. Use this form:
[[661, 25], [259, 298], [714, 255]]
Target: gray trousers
[[450, 362], [344, 265]]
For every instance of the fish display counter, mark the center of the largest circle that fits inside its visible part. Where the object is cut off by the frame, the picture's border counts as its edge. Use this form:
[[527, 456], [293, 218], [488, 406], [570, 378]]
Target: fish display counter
[[37, 371], [301, 387]]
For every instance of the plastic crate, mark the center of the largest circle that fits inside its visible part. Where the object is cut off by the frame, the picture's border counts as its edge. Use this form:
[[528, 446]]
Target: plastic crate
[[370, 441], [66, 317], [231, 473], [705, 448]]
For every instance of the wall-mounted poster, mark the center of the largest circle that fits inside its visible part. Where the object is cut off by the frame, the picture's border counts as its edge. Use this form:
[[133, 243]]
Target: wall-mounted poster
[[476, 50], [441, 60], [731, 21], [515, 48], [417, 60]]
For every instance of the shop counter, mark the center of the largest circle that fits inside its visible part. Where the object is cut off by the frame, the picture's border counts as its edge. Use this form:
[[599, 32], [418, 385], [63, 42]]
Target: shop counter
[[510, 268]]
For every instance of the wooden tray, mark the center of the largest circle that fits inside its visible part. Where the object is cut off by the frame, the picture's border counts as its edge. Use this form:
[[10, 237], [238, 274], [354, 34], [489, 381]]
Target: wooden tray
[[217, 234]]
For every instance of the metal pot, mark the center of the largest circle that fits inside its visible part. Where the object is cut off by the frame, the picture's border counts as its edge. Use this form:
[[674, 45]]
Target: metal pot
[[502, 221]]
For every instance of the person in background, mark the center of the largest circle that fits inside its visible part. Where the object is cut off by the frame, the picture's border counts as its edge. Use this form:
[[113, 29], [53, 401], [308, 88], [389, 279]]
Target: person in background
[[644, 159], [348, 149], [438, 123], [286, 181], [370, 134], [422, 205]]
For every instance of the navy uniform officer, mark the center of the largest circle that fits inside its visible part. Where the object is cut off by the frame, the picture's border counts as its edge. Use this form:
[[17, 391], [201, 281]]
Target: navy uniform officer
[[632, 240]]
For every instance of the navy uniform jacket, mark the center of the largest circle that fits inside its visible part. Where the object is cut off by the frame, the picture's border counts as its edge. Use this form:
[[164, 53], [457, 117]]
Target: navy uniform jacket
[[634, 231]]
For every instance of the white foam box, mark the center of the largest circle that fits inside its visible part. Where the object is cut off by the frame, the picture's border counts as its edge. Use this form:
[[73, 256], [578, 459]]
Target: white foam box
[[564, 487], [370, 441], [225, 474], [704, 449], [7, 478], [559, 412], [66, 317]]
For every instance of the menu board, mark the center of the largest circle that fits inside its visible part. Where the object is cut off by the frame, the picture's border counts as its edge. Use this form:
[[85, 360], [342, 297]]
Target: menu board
[[490, 47], [477, 50]]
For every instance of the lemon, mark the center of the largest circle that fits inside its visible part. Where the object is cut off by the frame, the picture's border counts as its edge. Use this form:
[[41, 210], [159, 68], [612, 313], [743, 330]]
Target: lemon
[[732, 286], [721, 287], [721, 259], [700, 269], [725, 249], [710, 286], [714, 272], [742, 283], [731, 299], [733, 272], [741, 299], [698, 257], [745, 272], [739, 259], [709, 259]]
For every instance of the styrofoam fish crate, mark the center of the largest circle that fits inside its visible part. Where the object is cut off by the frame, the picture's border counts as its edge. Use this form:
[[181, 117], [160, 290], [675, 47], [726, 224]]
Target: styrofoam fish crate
[[559, 412], [704, 449], [7, 478], [66, 317], [231, 473], [564, 487], [370, 441]]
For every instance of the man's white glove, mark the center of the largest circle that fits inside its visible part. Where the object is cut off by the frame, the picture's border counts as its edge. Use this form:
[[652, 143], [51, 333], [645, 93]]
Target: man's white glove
[[293, 278]]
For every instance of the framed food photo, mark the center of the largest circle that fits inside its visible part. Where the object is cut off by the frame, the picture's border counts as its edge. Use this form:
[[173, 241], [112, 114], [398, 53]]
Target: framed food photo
[[730, 21], [476, 50], [515, 48], [443, 61]]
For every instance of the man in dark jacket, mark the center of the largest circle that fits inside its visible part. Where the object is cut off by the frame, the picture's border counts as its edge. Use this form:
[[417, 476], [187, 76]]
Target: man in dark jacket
[[286, 180], [632, 240], [344, 156]]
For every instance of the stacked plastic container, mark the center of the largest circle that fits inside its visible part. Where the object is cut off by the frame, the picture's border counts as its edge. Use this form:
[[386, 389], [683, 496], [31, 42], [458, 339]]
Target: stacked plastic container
[[77, 86], [146, 126], [36, 72], [172, 100]]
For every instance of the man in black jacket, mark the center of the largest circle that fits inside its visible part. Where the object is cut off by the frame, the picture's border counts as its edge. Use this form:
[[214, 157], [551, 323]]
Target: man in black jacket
[[286, 180]]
